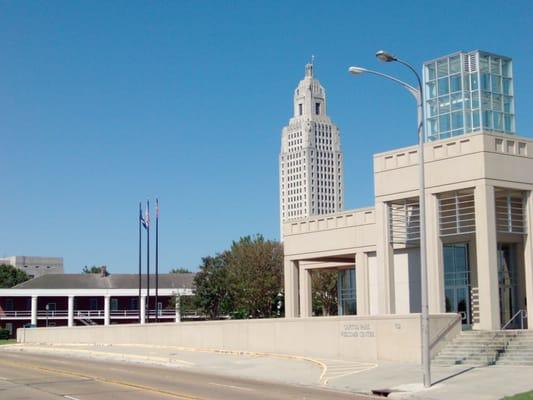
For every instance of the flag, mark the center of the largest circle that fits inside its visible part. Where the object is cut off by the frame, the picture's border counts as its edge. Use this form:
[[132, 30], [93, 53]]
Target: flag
[[146, 219]]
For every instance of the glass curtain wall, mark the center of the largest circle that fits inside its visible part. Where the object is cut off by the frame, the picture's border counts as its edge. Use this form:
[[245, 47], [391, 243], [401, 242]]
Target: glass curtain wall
[[468, 92], [346, 292]]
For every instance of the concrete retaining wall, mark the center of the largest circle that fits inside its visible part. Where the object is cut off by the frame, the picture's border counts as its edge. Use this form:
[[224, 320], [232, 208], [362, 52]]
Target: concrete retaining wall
[[388, 337]]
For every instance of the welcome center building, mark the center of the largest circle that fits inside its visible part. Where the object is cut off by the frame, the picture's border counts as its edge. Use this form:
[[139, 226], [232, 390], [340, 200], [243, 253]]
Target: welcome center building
[[479, 223], [479, 212]]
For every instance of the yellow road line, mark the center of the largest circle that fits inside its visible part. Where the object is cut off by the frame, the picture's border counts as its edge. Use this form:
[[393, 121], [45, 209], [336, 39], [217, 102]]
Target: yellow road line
[[104, 354], [168, 393]]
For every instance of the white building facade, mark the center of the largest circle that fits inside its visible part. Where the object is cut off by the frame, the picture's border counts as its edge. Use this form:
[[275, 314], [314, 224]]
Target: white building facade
[[35, 266], [310, 162]]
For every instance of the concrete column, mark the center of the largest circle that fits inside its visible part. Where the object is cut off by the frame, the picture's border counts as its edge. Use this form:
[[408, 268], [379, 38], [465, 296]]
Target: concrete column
[[107, 318], [385, 261], [34, 310], [362, 293], [143, 309], [528, 260], [306, 293], [290, 277], [70, 308], [487, 261], [435, 262]]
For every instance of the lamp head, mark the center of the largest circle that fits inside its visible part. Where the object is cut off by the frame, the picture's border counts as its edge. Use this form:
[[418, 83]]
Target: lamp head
[[384, 56], [356, 70]]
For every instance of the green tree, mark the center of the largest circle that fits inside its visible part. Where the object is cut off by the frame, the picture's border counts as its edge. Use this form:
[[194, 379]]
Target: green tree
[[180, 270], [11, 276], [255, 276], [212, 287], [324, 285], [92, 270]]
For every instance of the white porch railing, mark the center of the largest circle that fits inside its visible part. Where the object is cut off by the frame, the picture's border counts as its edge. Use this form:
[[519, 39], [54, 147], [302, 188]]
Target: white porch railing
[[84, 314]]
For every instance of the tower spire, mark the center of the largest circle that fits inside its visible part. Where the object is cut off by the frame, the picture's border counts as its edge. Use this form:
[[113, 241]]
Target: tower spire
[[309, 67]]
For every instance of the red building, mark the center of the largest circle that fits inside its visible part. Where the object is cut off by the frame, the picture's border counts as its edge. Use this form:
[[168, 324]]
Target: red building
[[90, 299]]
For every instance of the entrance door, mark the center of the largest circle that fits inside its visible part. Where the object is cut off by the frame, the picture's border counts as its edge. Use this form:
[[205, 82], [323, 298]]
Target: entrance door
[[457, 280], [507, 282]]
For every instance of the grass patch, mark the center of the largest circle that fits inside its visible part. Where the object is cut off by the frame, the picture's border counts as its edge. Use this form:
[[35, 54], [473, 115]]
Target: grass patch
[[7, 341], [521, 396]]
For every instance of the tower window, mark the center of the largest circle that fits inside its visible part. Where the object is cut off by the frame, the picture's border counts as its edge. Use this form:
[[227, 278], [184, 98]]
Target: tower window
[[300, 109], [317, 108]]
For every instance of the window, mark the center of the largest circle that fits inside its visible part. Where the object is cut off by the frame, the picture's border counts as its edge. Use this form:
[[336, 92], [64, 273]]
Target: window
[[93, 303], [114, 304], [9, 304], [317, 108], [300, 109]]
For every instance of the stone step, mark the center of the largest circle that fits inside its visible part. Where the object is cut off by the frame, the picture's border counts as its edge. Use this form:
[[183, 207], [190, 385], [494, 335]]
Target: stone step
[[524, 364], [476, 345], [525, 342], [466, 359], [516, 347], [487, 348], [482, 341], [517, 356]]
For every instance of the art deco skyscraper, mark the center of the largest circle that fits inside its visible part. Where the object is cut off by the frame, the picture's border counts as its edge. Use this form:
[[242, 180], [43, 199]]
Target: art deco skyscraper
[[310, 162]]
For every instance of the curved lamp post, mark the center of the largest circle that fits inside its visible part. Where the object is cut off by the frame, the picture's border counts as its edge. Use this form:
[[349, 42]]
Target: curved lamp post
[[418, 95]]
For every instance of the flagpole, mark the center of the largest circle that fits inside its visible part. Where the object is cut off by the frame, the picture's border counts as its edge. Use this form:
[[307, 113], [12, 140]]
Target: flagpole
[[156, 259], [148, 257], [140, 262]]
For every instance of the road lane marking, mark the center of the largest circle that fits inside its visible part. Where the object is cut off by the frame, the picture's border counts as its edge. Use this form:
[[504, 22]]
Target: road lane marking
[[109, 355], [338, 369], [232, 387], [70, 397], [176, 395]]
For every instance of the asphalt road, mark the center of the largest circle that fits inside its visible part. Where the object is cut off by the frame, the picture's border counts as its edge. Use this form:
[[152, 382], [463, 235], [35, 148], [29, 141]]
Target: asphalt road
[[43, 377]]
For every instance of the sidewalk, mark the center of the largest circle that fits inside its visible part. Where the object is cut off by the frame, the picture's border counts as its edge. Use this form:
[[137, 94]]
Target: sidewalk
[[404, 379]]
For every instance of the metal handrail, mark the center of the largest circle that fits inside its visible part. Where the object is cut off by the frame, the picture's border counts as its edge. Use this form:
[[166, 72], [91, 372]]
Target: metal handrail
[[523, 316]]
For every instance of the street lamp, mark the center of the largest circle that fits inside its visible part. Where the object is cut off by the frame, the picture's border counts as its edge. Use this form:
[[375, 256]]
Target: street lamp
[[418, 95]]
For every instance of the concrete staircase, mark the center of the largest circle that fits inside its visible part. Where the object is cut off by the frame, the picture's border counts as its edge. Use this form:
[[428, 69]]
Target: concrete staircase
[[475, 348], [519, 351]]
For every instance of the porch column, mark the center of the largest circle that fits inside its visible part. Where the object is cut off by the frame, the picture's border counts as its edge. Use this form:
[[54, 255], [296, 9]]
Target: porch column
[[361, 284], [143, 309], [306, 295], [106, 310], [70, 312], [178, 307], [435, 263], [385, 261], [34, 310], [290, 276], [487, 261], [528, 260]]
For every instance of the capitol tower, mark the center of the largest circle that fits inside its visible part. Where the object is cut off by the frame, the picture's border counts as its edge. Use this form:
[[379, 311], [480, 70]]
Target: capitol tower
[[310, 162]]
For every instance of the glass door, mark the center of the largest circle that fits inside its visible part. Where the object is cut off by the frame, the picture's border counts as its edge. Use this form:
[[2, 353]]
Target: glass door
[[457, 281], [507, 281]]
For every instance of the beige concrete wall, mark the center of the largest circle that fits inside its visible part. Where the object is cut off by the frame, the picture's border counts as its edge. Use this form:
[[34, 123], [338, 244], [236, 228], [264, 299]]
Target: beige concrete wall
[[458, 160], [392, 337], [340, 233]]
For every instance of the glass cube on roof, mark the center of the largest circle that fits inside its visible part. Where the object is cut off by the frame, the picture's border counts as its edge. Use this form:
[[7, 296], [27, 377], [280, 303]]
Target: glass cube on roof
[[468, 92]]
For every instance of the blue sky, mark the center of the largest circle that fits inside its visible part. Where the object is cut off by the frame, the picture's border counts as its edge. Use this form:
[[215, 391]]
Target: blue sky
[[103, 104]]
